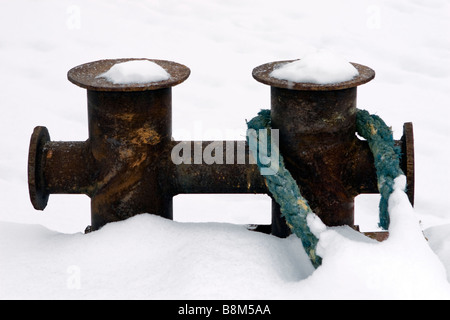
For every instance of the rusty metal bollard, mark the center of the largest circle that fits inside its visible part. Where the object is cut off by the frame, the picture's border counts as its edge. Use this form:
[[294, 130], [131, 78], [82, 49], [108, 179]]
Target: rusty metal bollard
[[317, 125], [126, 168]]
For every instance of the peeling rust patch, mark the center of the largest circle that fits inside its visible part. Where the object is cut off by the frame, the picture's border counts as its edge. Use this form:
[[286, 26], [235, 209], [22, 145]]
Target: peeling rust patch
[[145, 135], [126, 117]]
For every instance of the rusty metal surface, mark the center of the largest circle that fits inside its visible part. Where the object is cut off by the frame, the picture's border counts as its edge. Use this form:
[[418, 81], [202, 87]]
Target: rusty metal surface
[[317, 125], [227, 177], [36, 184], [317, 139], [125, 165], [407, 163], [86, 74], [127, 134], [379, 236], [262, 74], [74, 168]]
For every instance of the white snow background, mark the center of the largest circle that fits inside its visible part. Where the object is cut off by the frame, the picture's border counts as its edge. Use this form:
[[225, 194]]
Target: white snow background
[[45, 255]]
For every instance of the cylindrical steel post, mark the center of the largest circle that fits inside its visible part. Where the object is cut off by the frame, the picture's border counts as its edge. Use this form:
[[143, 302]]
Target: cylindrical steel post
[[317, 126], [317, 130], [127, 133]]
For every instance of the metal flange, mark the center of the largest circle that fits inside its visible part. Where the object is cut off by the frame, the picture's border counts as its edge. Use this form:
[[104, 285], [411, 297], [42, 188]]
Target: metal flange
[[36, 185]]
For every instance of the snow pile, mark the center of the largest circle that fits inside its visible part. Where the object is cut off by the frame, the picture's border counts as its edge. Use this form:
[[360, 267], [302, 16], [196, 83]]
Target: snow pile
[[135, 71], [439, 241], [148, 257], [402, 267], [320, 67]]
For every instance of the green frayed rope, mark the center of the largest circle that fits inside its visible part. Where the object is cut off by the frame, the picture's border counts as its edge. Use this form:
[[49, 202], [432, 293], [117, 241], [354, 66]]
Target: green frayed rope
[[284, 189], [386, 156], [294, 208]]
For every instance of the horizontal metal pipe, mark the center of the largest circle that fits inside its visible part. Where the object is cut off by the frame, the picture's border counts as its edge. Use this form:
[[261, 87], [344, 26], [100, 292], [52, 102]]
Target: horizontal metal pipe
[[212, 167], [67, 168]]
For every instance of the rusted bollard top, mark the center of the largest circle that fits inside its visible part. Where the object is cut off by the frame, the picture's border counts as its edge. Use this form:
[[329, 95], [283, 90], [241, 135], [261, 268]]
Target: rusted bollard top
[[262, 74], [86, 76]]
